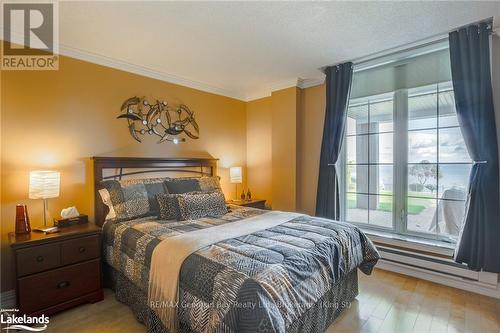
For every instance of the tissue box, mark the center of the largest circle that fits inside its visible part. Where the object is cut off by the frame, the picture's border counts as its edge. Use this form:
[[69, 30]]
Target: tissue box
[[81, 219]]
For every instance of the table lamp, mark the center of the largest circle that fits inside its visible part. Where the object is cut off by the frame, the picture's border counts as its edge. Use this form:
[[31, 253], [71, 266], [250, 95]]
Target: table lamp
[[235, 176], [44, 185]]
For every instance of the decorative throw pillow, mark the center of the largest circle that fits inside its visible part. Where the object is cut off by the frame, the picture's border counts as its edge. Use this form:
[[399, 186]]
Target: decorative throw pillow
[[209, 183], [169, 206], [132, 197], [195, 206], [182, 185]]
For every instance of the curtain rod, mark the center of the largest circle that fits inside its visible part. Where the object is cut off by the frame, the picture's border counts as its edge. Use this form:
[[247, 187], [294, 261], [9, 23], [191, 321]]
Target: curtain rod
[[437, 39], [413, 45]]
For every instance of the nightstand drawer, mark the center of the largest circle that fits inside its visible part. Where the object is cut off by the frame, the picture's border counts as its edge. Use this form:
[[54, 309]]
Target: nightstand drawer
[[80, 249], [43, 290], [38, 259]]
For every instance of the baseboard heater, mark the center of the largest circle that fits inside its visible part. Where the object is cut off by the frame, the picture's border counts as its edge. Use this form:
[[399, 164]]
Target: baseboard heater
[[438, 269]]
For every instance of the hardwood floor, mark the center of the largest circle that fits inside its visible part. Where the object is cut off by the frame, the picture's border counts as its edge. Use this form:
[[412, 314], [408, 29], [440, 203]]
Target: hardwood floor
[[387, 302]]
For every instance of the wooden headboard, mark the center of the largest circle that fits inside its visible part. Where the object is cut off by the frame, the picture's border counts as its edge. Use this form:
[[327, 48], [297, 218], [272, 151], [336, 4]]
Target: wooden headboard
[[124, 167]]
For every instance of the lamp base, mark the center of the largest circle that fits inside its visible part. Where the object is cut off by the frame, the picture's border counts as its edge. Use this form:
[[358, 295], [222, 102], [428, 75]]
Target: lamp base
[[49, 230]]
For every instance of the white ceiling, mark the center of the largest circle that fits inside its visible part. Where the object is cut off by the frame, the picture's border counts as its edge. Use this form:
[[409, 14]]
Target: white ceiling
[[247, 49]]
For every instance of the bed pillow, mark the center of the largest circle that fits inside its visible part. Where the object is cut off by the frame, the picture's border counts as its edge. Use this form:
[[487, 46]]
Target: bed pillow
[[187, 184], [182, 185], [132, 197], [209, 183], [169, 206], [195, 206]]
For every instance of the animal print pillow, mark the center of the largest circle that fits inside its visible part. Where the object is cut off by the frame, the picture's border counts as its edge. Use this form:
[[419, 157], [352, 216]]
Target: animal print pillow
[[195, 206], [169, 206], [209, 184]]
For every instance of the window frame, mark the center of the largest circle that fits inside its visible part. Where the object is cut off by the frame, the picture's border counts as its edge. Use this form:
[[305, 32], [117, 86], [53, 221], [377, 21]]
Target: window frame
[[400, 164]]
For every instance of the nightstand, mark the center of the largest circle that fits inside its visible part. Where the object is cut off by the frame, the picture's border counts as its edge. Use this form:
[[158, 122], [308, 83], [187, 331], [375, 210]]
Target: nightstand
[[255, 203], [57, 271]]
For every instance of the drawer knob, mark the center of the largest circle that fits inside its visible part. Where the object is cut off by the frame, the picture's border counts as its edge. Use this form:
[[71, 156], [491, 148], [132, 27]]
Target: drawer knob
[[39, 259], [63, 284], [81, 249]]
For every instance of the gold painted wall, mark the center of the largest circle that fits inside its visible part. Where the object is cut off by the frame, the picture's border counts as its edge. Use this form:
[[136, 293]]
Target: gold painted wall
[[311, 117], [259, 148], [272, 147], [284, 133], [58, 119], [284, 104]]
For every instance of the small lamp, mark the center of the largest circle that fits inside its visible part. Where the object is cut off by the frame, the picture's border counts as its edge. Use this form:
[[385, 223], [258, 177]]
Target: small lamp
[[44, 185], [235, 176]]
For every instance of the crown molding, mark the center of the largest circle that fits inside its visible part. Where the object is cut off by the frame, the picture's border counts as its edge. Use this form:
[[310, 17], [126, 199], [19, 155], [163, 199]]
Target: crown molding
[[147, 72], [299, 83], [312, 82], [102, 60], [258, 94], [284, 84]]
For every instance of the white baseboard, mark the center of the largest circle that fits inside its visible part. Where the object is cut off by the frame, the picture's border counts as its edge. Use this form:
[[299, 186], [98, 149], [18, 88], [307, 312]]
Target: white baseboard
[[8, 299], [444, 279]]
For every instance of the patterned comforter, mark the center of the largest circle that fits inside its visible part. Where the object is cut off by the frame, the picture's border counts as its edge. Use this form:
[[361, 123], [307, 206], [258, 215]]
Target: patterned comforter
[[263, 281]]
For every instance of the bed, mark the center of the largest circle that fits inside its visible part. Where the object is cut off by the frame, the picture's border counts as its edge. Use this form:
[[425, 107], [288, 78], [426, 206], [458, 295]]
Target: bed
[[295, 276]]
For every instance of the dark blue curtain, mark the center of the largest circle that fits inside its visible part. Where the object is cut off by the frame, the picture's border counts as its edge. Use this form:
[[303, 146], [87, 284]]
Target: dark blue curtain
[[479, 240], [338, 86]]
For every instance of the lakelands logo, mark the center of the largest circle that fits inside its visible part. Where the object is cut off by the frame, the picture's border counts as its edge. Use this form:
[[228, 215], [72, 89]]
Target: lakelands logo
[[12, 321], [30, 35]]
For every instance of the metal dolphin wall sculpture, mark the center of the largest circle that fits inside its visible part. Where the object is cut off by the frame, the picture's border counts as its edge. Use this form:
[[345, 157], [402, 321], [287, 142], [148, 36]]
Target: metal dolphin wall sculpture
[[169, 124]]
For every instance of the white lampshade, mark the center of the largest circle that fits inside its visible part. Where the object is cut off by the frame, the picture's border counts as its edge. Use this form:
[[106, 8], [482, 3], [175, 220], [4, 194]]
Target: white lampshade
[[44, 184], [235, 175]]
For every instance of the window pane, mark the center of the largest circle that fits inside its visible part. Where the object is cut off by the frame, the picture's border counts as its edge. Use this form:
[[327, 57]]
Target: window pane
[[422, 180], [447, 112], [357, 178], [452, 146], [445, 86], [381, 207], [422, 111], [422, 146], [454, 181], [381, 148], [450, 215], [381, 179], [381, 117], [420, 213], [357, 119], [448, 120], [357, 208], [357, 149]]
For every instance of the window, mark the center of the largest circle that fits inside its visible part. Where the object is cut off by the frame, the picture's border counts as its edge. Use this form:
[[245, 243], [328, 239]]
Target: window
[[405, 164]]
